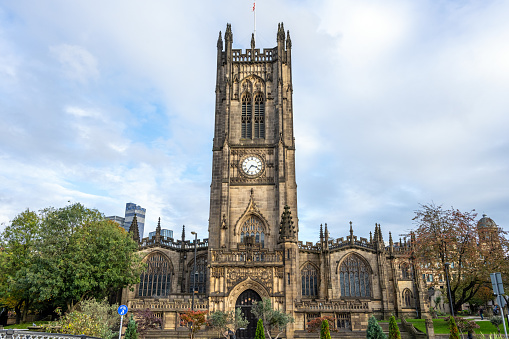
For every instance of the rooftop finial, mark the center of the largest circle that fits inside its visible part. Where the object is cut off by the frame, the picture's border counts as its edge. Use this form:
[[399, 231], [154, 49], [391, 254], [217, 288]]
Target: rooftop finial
[[220, 42], [288, 41], [183, 233], [228, 35], [252, 41]]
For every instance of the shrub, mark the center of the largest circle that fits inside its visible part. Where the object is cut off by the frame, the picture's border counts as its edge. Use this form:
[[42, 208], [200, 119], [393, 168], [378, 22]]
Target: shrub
[[394, 329], [324, 331], [260, 334], [374, 330], [315, 324], [131, 331], [453, 329], [496, 321]]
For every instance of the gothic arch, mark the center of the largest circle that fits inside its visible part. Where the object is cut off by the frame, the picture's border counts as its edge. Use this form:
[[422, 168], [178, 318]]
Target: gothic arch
[[346, 255], [148, 254], [252, 81], [355, 277], [407, 298], [310, 279], [241, 287], [201, 276], [251, 210], [157, 279]]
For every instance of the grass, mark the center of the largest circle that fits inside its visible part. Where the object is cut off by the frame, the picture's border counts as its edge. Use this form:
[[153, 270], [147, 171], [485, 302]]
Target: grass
[[442, 327], [25, 325]]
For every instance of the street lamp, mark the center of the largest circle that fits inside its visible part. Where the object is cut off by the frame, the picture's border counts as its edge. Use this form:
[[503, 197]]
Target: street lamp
[[194, 270], [448, 287]]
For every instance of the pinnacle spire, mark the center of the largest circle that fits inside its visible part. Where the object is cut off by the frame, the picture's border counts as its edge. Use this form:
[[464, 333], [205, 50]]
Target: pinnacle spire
[[220, 42], [252, 41], [288, 41], [183, 233], [133, 229], [287, 232]]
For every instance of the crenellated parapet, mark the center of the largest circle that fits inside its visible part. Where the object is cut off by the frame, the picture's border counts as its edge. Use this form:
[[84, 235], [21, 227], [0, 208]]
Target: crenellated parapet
[[170, 243]]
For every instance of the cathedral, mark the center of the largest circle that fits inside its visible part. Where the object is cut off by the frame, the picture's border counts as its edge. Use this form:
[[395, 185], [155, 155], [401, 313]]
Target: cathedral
[[253, 249]]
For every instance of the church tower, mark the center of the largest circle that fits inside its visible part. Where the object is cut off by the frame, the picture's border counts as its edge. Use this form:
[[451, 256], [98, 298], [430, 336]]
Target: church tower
[[253, 170]]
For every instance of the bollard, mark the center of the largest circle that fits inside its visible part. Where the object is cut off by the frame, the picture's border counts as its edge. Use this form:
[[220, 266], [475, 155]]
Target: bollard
[[9, 334]]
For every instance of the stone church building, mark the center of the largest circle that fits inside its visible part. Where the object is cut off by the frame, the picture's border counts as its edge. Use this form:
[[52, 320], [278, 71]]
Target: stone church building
[[253, 250]]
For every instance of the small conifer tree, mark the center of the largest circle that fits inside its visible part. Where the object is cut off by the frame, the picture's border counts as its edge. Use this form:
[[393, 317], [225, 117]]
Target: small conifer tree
[[131, 331], [374, 330], [453, 329], [260, 333], [324, 331], [393, 329]]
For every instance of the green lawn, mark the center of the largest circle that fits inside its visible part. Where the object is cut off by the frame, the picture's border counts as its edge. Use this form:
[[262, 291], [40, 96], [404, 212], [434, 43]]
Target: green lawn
[[442, 327], [25, 325]]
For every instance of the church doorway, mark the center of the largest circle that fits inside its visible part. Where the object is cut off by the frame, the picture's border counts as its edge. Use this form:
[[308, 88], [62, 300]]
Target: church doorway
[[245, 302]]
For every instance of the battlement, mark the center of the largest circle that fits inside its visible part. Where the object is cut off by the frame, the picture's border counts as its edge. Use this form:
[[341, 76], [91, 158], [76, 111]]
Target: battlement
[[173, 244], [254, 55]]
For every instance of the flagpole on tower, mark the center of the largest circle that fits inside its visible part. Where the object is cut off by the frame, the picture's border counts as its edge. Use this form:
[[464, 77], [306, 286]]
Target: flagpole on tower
[[254, 15]]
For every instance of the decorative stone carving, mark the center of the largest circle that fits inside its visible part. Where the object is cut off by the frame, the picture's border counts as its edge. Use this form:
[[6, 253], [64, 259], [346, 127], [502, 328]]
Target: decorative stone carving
[[263, 275]]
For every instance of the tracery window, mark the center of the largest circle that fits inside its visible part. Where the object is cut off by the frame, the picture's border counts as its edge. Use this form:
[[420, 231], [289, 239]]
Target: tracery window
[[259, 117], [354, 277], [407, 298], [253, 227], [201, 275], [309, 276], [246, 116], [405, 271], [156, 280]]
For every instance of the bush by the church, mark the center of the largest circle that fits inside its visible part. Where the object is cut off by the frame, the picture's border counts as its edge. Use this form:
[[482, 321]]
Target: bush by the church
[[374, 330], [260, 334], [453, 329], [393, 329], [324, 331]]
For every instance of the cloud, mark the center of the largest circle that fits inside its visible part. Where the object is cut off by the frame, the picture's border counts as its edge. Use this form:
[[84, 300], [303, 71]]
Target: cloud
[[77, 63]]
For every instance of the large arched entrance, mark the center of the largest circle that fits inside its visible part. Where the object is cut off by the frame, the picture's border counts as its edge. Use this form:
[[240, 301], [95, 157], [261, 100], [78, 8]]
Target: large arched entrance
[[245, 302]]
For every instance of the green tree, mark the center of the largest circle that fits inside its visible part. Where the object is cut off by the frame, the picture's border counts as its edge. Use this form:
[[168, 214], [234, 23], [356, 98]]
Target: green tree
[[393, 329], [18, 242], [222, 321], [374, 330], [259, 334], [273, 319], [131, 331], [59, 257], [453, 329], [324, 331]]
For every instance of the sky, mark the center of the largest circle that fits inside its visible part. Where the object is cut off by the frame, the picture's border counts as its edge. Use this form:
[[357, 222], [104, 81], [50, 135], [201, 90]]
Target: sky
[[396, 104]]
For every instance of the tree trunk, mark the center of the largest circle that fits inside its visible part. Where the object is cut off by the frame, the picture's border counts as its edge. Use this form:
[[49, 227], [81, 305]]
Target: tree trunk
[[17, 309]]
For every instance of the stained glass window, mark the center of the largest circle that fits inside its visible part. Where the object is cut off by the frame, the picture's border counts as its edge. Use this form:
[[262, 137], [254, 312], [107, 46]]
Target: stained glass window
[[309, 276], [201, 275], [253, 227], [354, 277], [407, 298], [156, 280]]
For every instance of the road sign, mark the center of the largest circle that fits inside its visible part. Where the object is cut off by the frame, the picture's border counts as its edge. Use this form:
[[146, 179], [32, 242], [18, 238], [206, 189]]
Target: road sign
[[122, 309]]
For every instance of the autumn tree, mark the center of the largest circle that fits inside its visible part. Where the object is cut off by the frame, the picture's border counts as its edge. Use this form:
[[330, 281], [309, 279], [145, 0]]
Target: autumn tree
[[194, 320], [452, 236], [315, 324]]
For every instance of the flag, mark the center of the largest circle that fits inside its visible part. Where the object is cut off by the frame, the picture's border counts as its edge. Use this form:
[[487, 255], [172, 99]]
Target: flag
[[254, 4]]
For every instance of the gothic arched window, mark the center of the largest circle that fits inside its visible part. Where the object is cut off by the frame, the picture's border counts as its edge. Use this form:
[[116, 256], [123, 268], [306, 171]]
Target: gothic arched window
[[309, 276], [405, 271], [201, 275], [246, 116], [259, 117], [253, 227], [407, 298], [354, 277], [156, 280]]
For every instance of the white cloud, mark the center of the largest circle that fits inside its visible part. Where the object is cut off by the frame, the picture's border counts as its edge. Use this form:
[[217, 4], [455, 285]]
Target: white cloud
[[77, 63]]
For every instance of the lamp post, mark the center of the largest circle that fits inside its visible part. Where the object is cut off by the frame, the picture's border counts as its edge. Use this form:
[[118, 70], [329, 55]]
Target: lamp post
[[448, 287], [194, 269]]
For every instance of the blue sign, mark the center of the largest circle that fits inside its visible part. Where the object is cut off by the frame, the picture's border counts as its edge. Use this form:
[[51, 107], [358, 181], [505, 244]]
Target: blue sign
[[122, 309]]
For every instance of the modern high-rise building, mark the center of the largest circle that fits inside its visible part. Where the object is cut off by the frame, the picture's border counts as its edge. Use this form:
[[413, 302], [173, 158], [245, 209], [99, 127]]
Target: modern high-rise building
[[130, 210], [117, 219], [164, 233]]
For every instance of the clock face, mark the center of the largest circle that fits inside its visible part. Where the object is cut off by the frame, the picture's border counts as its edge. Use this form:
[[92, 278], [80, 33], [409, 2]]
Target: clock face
[[252, 165]]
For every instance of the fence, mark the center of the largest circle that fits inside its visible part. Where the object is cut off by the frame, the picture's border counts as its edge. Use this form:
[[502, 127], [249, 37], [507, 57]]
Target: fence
[[12, 334]]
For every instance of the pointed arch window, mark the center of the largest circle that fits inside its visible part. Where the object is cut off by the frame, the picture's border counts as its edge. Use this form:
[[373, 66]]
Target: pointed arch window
[[354, 277], [407, 298], [253, 227], [246, 116], [259, 117], [200, 275], [405, 271], [156, 280], [309, 276]]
